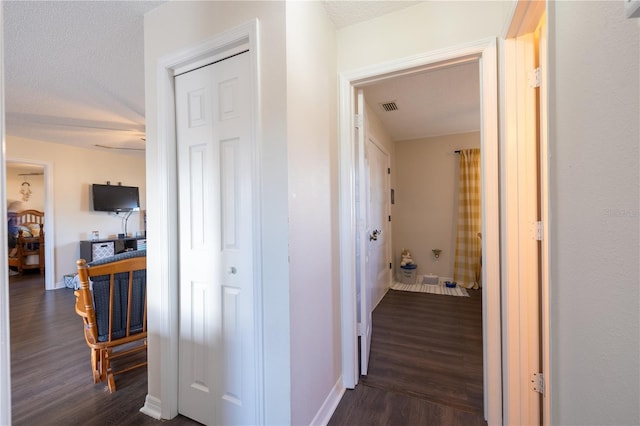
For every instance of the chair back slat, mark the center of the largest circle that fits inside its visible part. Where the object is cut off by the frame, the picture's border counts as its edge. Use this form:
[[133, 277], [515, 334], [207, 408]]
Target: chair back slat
[[129, 303], [112, 302], [119, 297], [111, 308]]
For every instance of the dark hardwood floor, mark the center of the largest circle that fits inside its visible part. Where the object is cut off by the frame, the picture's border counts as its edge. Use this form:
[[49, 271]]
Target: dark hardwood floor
[[425, 365], [51, 380]]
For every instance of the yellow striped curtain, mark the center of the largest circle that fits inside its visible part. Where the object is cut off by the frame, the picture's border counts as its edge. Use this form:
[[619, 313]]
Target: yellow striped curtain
[[466, 267]]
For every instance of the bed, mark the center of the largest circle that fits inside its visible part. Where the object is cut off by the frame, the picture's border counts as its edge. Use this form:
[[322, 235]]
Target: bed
[[26, 240]]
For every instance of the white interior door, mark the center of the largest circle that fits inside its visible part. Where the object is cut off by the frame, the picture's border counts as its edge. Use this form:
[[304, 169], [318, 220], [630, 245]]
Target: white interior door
[[374, 230], [364, 300], [217, 347], [378, 222], [378, 229]]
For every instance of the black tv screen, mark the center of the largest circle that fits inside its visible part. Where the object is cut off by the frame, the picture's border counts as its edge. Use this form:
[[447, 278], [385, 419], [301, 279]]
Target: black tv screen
[[115, 198]]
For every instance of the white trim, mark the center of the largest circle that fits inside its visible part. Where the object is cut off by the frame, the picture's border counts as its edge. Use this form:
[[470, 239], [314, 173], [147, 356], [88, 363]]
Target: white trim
[[483, 51], [492, 284], [162, 256], [152, 407], [520, 269], [5, 344], [509, 226], [526, 339], [545, 172], [329, 405], [347, 227], [49, 221]]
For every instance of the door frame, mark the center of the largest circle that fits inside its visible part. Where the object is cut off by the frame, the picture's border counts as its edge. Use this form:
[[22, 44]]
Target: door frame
[[485, 53], [527, 342], [5, 348], [162, 259], [49, 270]]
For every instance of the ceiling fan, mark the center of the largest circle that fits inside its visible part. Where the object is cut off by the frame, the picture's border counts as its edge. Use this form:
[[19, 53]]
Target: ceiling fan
[[118, 148], [106, 134]]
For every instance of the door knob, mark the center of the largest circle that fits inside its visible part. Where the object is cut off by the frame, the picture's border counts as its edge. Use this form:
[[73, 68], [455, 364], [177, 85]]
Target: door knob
[[233, 270], [374, 234]]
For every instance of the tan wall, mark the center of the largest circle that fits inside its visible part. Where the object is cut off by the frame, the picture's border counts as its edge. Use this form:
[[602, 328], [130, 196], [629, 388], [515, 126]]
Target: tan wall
[[73, 171], [14, 185], [426, 200]]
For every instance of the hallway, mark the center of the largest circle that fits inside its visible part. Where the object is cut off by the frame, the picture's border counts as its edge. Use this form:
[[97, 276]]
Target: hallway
[[425, 365]]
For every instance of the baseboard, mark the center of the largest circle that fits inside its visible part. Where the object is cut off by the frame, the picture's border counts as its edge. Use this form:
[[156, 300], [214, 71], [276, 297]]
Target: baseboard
[[152, 407], [59, 285], [330, 404]]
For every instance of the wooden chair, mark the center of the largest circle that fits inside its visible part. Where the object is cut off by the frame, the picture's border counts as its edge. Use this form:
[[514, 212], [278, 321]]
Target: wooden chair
[[114, 313]]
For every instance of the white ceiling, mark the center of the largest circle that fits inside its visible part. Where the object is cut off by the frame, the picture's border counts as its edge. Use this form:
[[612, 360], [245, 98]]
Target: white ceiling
[[74, 74], [432, 103]]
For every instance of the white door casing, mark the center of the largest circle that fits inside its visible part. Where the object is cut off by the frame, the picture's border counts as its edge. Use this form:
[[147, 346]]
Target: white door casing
[[525, 201], [5, 349], [485, 53], [49, 223], [216, 348], [545, 219]]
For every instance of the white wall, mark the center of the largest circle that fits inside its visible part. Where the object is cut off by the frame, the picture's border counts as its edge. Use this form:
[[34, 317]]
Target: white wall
[[427, 174], [595, 215], [313, 221], [422, 28], [74, 170], [169, 29]]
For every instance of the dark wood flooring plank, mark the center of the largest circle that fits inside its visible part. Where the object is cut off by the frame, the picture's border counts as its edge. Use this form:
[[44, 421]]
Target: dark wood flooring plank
[[425, 365], [51, 370]]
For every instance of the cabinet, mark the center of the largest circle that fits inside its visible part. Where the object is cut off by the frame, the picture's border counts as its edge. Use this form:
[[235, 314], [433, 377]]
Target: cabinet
[[91, 250]]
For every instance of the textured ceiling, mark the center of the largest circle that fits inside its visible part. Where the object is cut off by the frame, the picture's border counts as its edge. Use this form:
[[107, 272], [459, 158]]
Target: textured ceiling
[[345, 13], [74, 71], [74, 74]]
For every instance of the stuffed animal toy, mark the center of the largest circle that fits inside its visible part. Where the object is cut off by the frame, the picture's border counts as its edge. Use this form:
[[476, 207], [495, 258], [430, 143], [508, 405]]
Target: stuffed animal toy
[[405, 258]]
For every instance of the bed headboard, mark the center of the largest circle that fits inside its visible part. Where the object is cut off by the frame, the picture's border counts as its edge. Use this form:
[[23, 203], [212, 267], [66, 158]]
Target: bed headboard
[[27, 217]]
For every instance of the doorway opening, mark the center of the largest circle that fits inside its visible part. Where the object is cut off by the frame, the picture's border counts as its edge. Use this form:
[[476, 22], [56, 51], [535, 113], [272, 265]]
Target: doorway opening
[[28, 187], [484, 54]]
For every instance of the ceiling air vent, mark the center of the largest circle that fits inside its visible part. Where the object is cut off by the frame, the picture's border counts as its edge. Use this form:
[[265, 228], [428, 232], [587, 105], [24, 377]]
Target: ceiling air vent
[[389, 106]]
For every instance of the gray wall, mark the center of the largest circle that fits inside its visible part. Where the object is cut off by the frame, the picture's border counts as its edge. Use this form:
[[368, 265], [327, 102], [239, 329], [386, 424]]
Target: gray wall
[[594, 138]]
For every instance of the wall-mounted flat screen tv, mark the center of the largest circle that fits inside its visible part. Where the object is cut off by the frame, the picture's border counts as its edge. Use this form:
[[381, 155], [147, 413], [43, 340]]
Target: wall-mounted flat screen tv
[[115, 198]]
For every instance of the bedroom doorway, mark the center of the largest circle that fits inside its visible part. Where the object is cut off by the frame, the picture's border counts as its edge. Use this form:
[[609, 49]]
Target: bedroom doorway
[[484, 54], [28, 186]]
